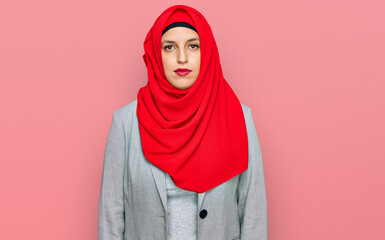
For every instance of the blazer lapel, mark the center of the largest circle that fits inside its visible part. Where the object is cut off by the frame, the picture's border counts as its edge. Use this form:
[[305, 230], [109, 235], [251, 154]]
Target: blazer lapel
[[201, 196], [160, 180]]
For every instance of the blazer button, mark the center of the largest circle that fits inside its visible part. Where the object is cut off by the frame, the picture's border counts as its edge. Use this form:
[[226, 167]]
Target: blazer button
[[203, 213]]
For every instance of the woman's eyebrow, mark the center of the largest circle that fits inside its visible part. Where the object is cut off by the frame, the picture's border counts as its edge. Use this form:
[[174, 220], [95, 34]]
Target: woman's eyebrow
[[169, 41]]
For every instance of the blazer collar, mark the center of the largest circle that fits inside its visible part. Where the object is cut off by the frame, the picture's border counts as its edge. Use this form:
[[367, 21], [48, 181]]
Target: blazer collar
[[160, 180]]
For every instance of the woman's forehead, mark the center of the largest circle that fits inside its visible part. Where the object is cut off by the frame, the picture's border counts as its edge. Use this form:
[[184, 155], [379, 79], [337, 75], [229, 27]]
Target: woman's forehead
[[179, 33]]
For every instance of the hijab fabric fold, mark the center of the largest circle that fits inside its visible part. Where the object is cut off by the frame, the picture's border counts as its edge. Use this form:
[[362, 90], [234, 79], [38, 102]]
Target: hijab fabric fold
[[196, 135]]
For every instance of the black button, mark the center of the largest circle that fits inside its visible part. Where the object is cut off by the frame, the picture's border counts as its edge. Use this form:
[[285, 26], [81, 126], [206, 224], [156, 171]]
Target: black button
[[203, 213]]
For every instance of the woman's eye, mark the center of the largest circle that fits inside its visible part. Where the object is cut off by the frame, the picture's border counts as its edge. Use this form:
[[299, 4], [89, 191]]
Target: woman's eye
[[168, 47], [195, 46]]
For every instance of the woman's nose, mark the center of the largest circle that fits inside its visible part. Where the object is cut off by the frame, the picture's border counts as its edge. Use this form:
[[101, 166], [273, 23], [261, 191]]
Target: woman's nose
[[182, 56]]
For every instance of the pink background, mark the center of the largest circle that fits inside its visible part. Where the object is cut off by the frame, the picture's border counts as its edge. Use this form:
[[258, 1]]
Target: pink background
[[311, 71]]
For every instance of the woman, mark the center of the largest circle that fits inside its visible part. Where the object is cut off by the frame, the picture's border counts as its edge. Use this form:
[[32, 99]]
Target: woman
[[183, 161]]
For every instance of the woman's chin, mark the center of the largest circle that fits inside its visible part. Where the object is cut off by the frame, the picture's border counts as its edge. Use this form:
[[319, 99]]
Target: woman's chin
[[182, 84]]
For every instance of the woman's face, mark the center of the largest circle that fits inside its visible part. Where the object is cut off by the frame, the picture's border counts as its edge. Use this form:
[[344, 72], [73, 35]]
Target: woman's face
[[181, 50]]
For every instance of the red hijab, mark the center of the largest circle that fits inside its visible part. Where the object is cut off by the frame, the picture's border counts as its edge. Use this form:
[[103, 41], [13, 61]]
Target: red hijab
[[196, 135]]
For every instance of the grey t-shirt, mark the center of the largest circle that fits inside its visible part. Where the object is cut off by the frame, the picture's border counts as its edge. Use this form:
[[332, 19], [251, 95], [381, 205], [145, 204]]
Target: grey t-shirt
[[182, 210]]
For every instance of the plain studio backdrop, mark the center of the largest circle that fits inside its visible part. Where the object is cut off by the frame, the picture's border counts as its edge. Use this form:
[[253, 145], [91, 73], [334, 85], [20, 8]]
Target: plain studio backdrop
[[312, 73]]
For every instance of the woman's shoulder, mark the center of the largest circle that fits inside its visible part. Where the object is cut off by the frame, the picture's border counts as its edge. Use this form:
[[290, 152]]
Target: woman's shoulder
[[127, 113], [128, 108], [244, 106], [131, 108], [246, 110], [249, 122]]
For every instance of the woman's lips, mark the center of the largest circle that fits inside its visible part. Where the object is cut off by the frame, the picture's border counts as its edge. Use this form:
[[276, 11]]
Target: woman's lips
[[182, 71]]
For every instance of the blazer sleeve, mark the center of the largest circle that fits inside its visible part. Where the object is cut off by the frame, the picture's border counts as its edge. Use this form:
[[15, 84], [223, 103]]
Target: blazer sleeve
[[111, 200], [251, 193]]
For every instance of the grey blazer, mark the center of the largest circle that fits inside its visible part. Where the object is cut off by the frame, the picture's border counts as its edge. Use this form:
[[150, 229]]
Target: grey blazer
[[133, 197]]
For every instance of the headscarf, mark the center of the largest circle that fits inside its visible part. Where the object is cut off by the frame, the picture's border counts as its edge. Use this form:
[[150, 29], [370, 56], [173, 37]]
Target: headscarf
[[196, 135]]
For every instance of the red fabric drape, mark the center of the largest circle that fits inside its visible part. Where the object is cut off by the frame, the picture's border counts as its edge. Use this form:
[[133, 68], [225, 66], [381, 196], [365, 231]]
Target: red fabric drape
[[196, 135]]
